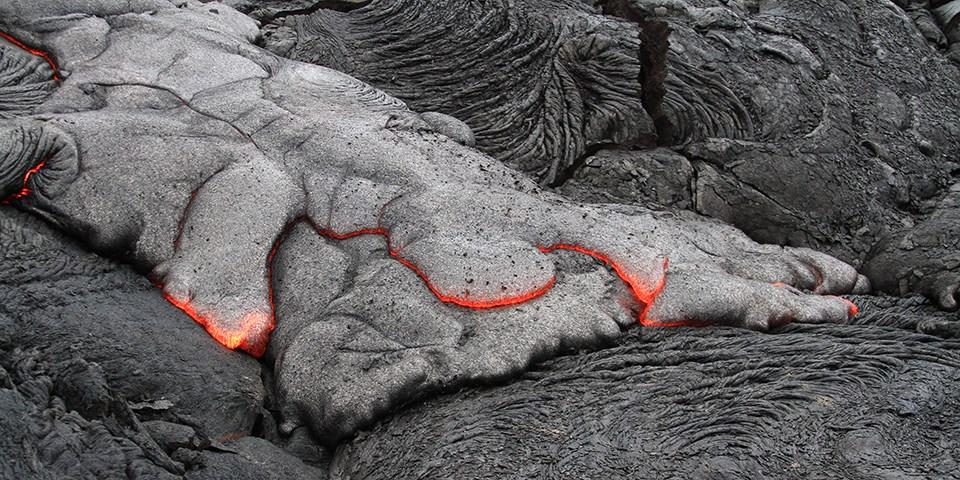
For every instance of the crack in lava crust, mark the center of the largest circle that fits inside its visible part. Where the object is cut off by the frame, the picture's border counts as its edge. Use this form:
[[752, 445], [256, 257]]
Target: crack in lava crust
[[33, 51], [26, 178], [253, 334], [474, 304]]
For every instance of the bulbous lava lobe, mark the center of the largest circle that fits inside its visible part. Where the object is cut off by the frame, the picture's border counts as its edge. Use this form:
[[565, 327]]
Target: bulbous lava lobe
[[197, 176], [34, 157]]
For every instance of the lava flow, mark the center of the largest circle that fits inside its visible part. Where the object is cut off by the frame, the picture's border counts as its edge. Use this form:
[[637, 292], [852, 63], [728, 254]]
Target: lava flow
[[33, 51], [644, 295], [253, 330], [474, 304], [25, 190]]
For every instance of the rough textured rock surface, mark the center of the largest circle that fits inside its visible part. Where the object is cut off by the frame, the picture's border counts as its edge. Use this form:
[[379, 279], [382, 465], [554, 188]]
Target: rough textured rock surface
[[66, 303], [829, 125], [866, 400], [199, 179], [279, 190], [539, 82]]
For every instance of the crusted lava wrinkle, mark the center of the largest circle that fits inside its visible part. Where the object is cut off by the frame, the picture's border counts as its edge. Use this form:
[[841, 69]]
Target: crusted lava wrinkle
[[26, 177], [33, 51]]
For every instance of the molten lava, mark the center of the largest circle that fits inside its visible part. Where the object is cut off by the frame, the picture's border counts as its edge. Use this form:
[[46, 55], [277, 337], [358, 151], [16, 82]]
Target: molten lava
[[643, 294], [251, 336], [26, 191], [851, 307], [253, 332], [33, 51]]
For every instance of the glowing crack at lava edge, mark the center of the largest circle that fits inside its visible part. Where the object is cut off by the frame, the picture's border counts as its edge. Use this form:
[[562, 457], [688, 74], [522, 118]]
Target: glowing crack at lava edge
[[33, 51], [56, 76], [254, 340], [255, 327], [26, 178], [256, 345]]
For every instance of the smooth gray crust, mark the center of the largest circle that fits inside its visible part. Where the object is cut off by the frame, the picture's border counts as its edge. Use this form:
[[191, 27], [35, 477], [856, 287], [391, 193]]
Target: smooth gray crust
[[251, 152], [873, 392], [214, 171]]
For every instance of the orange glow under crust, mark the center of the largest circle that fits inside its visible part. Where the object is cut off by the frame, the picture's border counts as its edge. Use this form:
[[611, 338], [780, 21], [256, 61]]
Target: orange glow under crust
[[852, 307], [26, 191], [641, 292], [474, 304], [33, 51], [477, 304], [251, 336]]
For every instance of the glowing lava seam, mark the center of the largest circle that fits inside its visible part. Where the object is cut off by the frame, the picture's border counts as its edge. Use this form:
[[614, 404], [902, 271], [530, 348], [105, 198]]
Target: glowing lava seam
[[254, 342], [33, 51], [26, 191], [474, 304]]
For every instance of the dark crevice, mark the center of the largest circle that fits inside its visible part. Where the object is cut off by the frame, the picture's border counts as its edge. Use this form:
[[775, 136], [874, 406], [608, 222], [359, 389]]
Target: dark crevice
[[335, 5], [654, 44]]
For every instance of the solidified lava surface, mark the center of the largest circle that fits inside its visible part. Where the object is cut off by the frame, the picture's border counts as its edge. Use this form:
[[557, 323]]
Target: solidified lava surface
[[367, 256]]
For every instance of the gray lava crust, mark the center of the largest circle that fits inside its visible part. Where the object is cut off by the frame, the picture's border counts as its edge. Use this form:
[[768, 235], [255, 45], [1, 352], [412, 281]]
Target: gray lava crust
[[372, 258]]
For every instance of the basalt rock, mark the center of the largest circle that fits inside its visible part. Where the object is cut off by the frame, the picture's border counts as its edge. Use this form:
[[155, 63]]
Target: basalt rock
[[867, 400], [539, 82], [827, 125], [200, 179], [365, 252]]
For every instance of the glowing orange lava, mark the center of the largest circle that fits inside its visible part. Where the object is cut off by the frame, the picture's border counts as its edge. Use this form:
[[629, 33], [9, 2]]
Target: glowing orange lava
[[26, 191], [475, 304], [251, 335], [253, 332], [851, 307], [33, 51], [643, 294]]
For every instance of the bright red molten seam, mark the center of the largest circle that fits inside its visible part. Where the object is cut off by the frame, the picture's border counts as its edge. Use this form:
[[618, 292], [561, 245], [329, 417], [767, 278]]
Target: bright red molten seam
[[33, 51], [255, 327], [250, 336], [851, 307], [477, 304], [26, 191], [641, 292], [643, 295], [474, 304]]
